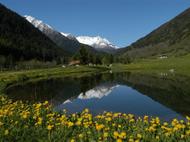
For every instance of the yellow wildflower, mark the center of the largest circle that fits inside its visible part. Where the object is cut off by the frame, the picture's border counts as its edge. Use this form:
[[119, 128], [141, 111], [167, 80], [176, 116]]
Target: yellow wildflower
[[131, 140], [1, 123], [188, 118], [182, 136], [39, 122], [108, 119], [115, 134], [157, 137], [122, 135], [72, 140], [45, 103], [119, 140], [70, 124], [86, 110], [105, 135], [50, 127], [78, 123], [139, 136], [80, 135], [188, 132], [99, 126], [145, 117], [6, 132]]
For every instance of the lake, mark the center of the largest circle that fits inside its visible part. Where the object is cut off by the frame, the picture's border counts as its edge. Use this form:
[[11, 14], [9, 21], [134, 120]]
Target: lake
[[163, 95]]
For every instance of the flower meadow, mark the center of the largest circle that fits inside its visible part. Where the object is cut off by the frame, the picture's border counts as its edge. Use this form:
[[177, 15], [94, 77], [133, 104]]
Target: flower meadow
[[39, 122]]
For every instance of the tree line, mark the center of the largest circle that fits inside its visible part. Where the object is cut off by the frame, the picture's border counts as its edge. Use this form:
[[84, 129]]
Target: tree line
[[87, 57]]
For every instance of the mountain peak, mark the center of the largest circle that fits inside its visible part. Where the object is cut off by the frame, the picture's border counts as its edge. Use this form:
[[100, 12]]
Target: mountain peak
[[97, 42]]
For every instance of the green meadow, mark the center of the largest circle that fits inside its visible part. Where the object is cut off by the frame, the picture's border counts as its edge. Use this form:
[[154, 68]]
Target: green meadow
[[179, 65]]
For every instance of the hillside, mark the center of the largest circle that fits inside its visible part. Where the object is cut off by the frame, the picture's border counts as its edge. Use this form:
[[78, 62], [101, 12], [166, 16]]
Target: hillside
[[171, 39], [67, 42], [62, 41], [21, 41]]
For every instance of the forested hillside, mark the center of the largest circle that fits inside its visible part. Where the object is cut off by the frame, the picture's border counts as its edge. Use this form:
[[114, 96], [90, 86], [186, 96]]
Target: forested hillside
[[170, 39], [20, 41]]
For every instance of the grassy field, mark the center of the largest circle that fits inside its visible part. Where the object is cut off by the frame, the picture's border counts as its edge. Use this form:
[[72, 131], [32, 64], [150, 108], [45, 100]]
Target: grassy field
[[38, 122], [179, 65], [9, 78]]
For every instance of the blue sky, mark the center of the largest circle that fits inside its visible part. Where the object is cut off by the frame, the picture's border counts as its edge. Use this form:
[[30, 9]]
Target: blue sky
[[120, 21]]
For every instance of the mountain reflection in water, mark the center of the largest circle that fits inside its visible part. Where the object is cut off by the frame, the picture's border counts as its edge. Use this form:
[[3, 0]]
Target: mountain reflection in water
[[140, 94]]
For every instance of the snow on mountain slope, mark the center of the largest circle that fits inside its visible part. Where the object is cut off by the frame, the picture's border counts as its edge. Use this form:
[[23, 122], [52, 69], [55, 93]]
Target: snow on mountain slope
[[38, 23], [69, 44], [97, 42], [69, 35]]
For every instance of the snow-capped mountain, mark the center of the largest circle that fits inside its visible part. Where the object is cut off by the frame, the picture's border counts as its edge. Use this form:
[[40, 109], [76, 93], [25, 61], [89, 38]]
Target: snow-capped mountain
[[69, 44], [38, 23], [69, 35], [98, 43], [68, 41]]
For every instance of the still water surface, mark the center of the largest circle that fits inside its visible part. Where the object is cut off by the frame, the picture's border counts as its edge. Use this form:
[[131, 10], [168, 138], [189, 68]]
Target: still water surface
[[140, 94]]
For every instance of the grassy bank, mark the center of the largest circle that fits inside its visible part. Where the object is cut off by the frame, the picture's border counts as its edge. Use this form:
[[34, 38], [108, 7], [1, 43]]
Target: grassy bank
[[9, 78], [180, 65], [38, 122]]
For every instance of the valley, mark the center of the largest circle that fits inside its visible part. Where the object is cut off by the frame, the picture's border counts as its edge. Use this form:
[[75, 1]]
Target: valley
[[80, 86]]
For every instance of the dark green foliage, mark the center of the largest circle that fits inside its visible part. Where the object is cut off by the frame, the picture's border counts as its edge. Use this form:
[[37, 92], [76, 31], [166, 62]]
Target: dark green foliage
[[22, 78], [172, 39], [124, 60], [21, 41], [84, 56], [87, 56], [108, 59]]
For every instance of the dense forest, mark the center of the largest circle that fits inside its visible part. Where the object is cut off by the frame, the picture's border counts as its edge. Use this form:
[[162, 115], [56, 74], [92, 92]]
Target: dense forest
[[20, 41]]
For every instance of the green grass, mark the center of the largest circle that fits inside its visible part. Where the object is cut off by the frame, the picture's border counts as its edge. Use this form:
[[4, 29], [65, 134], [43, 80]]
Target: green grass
[[39, 123], [9, 78], [180, 65]]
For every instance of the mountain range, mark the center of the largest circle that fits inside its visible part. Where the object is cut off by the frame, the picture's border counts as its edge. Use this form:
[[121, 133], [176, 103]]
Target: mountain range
[[99, 43], [69, 42], [27, 38]]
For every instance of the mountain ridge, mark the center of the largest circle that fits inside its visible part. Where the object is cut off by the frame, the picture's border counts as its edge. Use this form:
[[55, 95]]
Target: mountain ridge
[[98, 43], [171, 39], [62, 41], [21, 41]]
